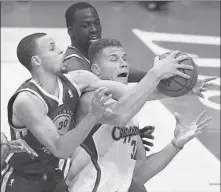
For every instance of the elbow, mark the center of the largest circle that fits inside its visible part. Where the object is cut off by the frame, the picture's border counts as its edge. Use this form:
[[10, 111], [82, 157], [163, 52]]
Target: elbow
[[59, 152]]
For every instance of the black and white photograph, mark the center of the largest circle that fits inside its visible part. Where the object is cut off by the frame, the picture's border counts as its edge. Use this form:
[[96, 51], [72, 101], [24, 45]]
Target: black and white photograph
[[110, 96]]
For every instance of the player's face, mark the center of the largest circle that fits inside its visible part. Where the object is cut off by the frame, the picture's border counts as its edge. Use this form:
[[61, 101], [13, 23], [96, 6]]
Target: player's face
[[113, 64], [86, 27], [50, 55]]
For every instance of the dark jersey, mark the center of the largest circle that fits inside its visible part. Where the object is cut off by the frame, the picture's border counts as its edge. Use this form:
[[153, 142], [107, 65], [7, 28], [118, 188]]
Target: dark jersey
[[72, 53], [61, 110]]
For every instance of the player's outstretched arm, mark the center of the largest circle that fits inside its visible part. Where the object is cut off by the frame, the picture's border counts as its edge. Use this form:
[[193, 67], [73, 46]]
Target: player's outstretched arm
[[130, 101], [157, 162], [31, 112]]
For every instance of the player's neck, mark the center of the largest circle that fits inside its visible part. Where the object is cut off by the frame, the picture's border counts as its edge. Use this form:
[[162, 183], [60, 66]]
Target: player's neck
[[48, 82], [82, 50]]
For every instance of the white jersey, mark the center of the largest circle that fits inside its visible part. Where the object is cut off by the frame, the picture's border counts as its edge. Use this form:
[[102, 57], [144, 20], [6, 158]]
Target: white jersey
[[116, 147]]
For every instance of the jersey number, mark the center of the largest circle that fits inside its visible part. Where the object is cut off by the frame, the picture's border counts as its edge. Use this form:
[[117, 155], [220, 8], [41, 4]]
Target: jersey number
[[63, 124], [134, 152]]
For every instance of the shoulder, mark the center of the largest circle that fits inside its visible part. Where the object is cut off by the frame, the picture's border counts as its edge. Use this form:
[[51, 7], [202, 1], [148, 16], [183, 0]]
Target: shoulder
[[74, 61], [27, 101]]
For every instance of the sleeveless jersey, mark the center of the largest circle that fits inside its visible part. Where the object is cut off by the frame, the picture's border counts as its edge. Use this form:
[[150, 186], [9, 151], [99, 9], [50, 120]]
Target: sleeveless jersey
[[61, 110], [116, 147], [73, 52]]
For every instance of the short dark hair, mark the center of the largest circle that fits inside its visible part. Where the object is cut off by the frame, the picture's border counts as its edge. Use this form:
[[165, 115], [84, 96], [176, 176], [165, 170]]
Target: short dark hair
[[70, 12], [96, 47], [27, 48]]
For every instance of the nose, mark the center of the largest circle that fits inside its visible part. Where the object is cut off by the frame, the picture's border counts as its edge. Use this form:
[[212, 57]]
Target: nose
[[93, 28], [123, 64]]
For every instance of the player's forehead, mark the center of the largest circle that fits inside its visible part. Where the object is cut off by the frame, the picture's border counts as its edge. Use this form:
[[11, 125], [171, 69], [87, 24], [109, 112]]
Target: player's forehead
[[113, 50], [45, 41], [86, 14]]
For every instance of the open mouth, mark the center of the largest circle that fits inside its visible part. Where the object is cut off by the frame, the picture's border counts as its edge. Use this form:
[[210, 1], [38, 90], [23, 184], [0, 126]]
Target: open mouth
[[95, 38], [124, 74]]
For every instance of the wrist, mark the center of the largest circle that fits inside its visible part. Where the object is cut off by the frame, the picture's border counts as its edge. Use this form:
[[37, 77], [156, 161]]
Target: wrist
[[176, 144], [94, 116], [5, 147], [155, 74]]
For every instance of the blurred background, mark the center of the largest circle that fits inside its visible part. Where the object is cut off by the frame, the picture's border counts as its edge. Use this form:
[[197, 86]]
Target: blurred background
[[146, 29]]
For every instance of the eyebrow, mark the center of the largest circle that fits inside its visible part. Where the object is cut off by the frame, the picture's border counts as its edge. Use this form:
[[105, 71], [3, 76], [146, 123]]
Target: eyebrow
[[52, 43], [114, 54]]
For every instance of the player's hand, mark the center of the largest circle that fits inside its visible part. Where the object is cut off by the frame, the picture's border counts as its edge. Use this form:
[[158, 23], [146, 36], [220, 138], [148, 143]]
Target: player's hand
[[201, 86], [184, 133], [168, 66], [100, 101], [3, 138], [20, 146], [4, 146], [146, 133]]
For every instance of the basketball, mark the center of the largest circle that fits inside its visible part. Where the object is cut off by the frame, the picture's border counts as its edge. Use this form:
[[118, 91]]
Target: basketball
[[178, 86]]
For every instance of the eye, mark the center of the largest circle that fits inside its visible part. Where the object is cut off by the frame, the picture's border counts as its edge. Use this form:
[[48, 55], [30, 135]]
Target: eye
[[97, 22], [85, 24], [124, 58], [113, 58]]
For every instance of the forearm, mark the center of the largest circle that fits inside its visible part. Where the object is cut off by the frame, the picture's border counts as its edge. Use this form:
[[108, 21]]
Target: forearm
[[67, 143], [133, 101], [155, 163]]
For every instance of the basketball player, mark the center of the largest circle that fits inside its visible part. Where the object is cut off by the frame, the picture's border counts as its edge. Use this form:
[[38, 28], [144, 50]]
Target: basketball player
[[43, 108], [79, 19], [84, 27], [121, 154]]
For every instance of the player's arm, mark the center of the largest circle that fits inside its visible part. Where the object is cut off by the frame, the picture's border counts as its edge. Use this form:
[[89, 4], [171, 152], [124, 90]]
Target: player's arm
[[30, 111], [147, 168], [153, 164], [130, 100]]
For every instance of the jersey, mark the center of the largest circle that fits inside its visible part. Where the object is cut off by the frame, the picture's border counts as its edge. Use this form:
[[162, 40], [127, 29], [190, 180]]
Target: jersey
[[60, 109], [73, 53], [117, 148]]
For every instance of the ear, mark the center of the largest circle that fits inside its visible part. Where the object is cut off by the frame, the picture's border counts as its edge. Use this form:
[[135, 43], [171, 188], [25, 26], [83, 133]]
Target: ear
[[70, 32], [35, 61], [95, 68]]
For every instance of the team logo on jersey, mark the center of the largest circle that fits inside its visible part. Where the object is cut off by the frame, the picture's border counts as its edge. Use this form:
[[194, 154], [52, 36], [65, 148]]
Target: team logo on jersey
[[63, 119], [124, 133], [46, 151], [12, 181], [70, 93]]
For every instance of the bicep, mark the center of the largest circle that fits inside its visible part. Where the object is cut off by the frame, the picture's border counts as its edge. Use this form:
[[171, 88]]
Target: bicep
[[87, 81], [26, 109], [117, 89]]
